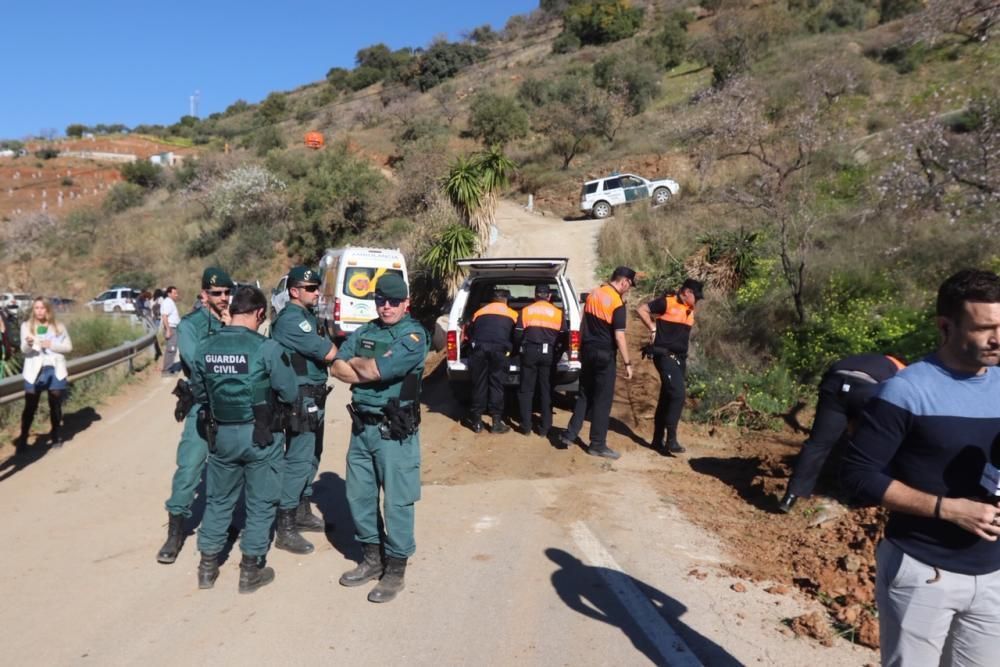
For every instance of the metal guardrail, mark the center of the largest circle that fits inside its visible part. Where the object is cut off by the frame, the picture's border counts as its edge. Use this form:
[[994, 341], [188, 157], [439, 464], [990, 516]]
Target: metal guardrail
[[12, 388]]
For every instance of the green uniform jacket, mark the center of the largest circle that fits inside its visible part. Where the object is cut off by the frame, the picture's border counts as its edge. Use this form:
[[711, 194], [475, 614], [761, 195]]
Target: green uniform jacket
[[295, 328], [271, 359], [398, 350], [195, 327]]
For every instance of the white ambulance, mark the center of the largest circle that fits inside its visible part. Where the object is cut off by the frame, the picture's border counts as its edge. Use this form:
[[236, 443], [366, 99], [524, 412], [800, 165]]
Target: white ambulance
[[350, 276]]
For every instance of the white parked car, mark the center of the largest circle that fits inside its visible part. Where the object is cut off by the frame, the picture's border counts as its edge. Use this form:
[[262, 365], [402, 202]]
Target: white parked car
[[599, 197], [279, 296], [15, 301], [519, 275], [115, 300]]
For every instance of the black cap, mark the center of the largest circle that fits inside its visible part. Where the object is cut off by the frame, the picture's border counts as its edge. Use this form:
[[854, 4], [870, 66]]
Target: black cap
[[501, 293], [695, 286], [303, 275], [624, 272], [392, 286], [213, 276], [542, 290]]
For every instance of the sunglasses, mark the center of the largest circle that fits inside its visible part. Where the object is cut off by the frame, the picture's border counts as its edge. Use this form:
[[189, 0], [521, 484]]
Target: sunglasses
[[218, 292], [382, 300], [308, 288]]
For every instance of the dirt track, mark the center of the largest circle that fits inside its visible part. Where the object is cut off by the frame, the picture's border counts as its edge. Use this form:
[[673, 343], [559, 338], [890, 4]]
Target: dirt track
[[526, 554]]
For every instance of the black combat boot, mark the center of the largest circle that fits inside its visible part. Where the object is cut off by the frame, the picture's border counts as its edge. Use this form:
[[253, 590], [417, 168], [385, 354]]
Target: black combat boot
[[254, 574], [286, 537], [305, 520], [369, 568], [208, 570], [391, 582], [673, 448], [498, 426], [787, 503], [175, 539]]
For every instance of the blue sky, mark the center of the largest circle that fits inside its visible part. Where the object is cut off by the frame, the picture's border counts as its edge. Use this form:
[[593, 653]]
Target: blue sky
[[138, 62]]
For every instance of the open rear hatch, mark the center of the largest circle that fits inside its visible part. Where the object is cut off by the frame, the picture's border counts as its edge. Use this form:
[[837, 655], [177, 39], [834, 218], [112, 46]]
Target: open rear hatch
[[500, 267]]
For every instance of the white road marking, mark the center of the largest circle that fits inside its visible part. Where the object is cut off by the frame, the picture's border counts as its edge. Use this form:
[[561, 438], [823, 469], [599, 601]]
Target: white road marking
[[667, 643], [485, 523]]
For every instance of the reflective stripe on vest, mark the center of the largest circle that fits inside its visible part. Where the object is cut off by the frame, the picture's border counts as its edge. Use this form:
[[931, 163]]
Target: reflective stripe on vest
[[542, 314], [677, 312], [896, 362], [496, 308], [602, 303]]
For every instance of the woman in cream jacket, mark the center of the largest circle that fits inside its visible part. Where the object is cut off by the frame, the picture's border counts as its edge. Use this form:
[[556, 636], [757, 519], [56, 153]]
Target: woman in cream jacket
[[43, 342]]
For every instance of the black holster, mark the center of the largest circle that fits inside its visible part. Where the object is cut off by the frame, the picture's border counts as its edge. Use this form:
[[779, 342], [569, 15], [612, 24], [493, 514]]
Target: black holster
[[304, 416], [185, 399], [262, 418], [207, 427], [402, 421], [357, 424]]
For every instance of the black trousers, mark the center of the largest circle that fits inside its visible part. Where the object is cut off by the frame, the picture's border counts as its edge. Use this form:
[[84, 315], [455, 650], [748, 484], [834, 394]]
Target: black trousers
[[597, 392], [536, 372], [488, 367], [841, 400], [672, 370]]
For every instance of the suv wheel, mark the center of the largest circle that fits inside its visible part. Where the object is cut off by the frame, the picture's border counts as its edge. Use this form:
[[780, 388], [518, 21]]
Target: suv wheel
[[117, 309], [661, 196], [602, 209]]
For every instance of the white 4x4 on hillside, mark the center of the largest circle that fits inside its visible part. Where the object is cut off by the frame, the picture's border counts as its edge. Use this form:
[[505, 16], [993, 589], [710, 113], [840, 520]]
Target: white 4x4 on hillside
[[115, 300], [599, 197], [519, 275]]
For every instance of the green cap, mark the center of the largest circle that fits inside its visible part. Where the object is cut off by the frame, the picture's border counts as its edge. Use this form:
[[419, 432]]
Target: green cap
[[303, 275], [213, 276], [392, 286]]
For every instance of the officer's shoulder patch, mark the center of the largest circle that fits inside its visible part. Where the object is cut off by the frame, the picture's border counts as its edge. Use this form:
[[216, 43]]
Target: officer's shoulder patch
[[305, 326]]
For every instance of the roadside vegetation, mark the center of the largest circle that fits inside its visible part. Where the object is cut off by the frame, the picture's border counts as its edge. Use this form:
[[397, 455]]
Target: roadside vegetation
[[836, 160]]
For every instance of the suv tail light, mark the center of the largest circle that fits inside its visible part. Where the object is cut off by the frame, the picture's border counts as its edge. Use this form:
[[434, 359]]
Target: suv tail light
[[574, 345], [336, 310], [452, 346]]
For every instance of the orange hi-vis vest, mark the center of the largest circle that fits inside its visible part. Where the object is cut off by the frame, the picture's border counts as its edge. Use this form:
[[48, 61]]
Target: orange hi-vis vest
[[542, 314], [496, 308], [896, 362], [602, 303], [677, 312]]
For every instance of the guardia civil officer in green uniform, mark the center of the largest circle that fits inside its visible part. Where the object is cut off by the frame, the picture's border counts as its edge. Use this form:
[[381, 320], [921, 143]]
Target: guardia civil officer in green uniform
[[311, 353], [244, 376], [192, 450], [384, 361]]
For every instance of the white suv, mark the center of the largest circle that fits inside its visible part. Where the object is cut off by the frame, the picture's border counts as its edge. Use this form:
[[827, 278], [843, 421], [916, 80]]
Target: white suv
[[601, 196], [519, 275], [115, 300], [15, 301]]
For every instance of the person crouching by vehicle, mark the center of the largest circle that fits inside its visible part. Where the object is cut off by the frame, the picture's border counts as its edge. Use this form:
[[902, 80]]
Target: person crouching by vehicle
[[383, 361], [670, 335], [491, 334], [539, 328], [843, 392], [244, 376], [43, 343]]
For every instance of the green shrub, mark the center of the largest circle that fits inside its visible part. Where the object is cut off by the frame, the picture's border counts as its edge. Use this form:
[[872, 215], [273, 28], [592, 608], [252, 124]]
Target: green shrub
[[602, 21], [96, 333], [75, 130], [362, 77], [143, 173], [843, 15], [637, 81], [497, 119], [266, 139], [123, 196], [47, 153], [484, 34], [566, 42], [668, 46], [750, 398], [444, 60], [273, 108], [339, 78], [890, 10]]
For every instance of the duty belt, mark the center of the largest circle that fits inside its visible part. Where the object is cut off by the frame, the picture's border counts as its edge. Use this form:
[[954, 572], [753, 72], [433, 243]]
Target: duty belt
[[316, 391], [369, 418]]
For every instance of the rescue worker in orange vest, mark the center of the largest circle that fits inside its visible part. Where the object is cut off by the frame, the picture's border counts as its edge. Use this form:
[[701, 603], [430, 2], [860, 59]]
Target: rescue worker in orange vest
[[670, 335], [537, 333], [492, 339], [843, 392], [602, 330]]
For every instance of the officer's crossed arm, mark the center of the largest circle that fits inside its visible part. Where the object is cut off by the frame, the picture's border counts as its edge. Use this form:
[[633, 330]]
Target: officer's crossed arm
[[355, 370], [341, 368]]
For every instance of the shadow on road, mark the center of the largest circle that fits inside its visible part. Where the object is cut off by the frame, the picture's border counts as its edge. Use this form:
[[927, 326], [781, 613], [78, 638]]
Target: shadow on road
[[595, 592], [73, 423], [436, 395], [330, 497]]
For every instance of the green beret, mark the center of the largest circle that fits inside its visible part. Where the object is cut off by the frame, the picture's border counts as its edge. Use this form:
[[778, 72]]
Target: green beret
[[303, 275], [392, 286], [213, 276]]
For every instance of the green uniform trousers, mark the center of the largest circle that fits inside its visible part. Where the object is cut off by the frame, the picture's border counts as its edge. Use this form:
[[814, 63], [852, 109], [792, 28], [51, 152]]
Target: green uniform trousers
[[301, 463], [374, 464], [192, 452], [236, 462]]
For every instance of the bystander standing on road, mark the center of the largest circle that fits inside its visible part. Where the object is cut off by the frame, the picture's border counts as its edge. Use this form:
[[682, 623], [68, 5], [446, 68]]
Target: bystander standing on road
[[669, 339], [922, 450], [383, 361], [170, 317], [602, 331], [44, 341]]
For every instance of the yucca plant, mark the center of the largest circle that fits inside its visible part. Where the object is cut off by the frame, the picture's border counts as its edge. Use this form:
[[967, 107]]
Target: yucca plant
[[455, 243], [495, 172], [474, 185]]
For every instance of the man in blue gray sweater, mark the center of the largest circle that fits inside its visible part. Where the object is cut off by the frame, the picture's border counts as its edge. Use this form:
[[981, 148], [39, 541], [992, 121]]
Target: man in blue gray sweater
[[920, 451]]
